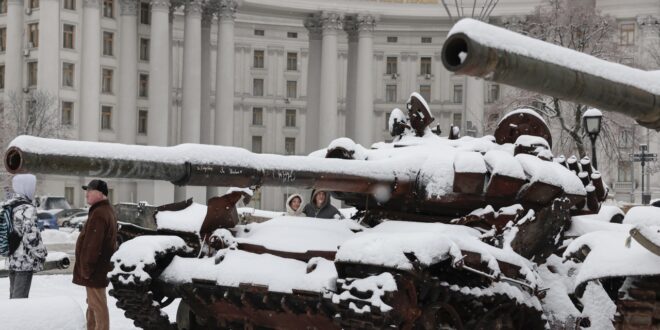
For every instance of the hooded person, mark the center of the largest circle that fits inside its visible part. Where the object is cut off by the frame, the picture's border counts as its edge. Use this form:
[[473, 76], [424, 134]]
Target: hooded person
[[320, 207], [294, 205], [29, 254]]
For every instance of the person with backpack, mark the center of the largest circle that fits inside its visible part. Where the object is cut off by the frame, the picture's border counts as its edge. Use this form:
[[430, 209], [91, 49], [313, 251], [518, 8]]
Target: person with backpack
[[95, 245], [26, 253]]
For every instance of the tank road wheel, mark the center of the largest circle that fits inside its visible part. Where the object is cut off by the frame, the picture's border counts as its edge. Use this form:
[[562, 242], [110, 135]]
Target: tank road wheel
[[439, 316]]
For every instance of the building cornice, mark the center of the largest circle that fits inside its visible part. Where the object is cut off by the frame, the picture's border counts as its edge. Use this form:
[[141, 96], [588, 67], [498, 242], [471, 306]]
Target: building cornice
[[128, 7]]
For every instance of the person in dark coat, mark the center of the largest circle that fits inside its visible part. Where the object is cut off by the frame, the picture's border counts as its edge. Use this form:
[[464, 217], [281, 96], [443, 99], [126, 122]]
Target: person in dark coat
[[320, 206], [96, 244]]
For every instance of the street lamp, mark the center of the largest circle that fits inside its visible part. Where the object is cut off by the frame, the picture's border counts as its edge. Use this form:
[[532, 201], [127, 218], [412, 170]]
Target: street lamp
[[592, 119]]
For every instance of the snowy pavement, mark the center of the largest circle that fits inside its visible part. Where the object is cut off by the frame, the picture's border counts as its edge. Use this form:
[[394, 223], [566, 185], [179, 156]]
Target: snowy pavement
[[48, 286]]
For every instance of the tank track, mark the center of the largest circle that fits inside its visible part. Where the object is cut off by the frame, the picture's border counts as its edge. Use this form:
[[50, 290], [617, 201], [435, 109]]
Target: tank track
[[140, 304], [638, 306]]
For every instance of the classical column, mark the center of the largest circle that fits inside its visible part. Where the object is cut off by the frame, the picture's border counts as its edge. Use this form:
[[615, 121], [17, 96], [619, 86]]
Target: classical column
[[313, 25], [90, 85], [364, 97], [159, 74], [192, 73], [224, 87], [48, 66], [352, 126], [205, 135], [14, 52], [128, 57], [331, 23]]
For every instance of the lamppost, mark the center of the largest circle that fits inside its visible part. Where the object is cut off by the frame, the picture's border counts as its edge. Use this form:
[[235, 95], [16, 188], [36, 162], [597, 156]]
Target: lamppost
[[592, 119]]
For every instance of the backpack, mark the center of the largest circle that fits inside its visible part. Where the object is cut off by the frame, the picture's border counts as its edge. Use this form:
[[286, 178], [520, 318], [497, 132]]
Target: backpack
[[9, 238]]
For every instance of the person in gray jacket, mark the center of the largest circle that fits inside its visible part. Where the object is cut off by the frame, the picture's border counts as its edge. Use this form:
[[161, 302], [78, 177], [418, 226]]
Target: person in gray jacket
[[294, 206], [320, 206], [31, 253]]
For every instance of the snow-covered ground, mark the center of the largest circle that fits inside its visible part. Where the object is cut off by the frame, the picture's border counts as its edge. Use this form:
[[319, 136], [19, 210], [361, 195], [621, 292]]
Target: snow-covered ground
[[51, 286]]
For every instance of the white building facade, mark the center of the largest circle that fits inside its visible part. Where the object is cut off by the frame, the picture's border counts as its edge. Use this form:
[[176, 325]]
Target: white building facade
[[271, 76]]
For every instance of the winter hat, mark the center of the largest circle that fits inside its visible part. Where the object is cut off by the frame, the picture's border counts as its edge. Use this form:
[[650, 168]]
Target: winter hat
[[24, 184]]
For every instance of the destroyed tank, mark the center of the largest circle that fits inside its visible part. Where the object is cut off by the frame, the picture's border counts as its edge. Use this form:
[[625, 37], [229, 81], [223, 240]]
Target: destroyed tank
[[450, 232]]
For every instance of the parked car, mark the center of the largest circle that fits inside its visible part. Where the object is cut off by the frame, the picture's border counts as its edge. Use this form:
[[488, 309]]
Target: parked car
[[46, 220], [72, 219]]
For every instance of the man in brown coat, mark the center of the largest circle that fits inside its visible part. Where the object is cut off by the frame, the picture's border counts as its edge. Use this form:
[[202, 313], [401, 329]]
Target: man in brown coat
[[96, 244]]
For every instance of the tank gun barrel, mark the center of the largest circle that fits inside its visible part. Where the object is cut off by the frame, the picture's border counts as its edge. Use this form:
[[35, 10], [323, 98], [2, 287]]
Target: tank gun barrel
[[481, 50], [195, 165]]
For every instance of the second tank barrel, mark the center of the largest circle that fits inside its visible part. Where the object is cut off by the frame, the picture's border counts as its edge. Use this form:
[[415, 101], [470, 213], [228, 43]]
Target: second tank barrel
[[478, 49]]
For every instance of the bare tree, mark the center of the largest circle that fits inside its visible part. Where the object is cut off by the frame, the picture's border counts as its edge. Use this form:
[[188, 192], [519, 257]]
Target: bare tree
[[580, 26], [35, 114]]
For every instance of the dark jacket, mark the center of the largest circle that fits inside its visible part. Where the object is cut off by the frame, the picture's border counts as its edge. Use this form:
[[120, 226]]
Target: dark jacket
[[326, 211], [96, 244]]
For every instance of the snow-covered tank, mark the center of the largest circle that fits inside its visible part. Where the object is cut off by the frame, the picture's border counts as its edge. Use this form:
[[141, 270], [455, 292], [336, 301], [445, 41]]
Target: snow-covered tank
[[466, 233]]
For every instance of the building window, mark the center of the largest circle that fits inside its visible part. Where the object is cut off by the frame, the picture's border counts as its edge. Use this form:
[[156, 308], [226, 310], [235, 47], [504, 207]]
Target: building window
[[33, 35], [67, 113], [257, 116], [256, 144], [292, 35], [106, 117], [3, 6], [289, 146], [106, 82], [427, 40], [627, 34], [392, 39], [143, 85], [291, 89], [258, 59], [144, 49], [108, 42], [290, 118], [108, 8], [3, 39], [68, 195], [69, 4], [292, 61], [257, 87], [33, 4], [2, 76], [626, 138], [625, 170], [458, 119], [493, 93], [425, 92], [144, 13], [68, 70], [390, 93], [458, 94], [68, 36], [258, 32], [32, 74], [111, 195], [390, 67], [142, 121], [425, 65]]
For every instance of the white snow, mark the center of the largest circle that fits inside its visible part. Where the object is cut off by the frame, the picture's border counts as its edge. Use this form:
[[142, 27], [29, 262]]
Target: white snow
[[235, 267], [418, 96], [42, 313], [531, 141], [504, 163], [509, 41], [189, 219], [469, 162], [54, 236], [557, 277], [584, 224], [378, 285], [592, 112], [296, 234], [519, 110], [247, 191], [652, 233], [598, 307], [141, 251], [359, 152], [551, 173], [262, 214], [609, 256], [643, 215]]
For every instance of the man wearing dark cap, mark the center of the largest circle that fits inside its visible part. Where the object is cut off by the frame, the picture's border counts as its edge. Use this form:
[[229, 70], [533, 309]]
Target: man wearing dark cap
[[96, 244]]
